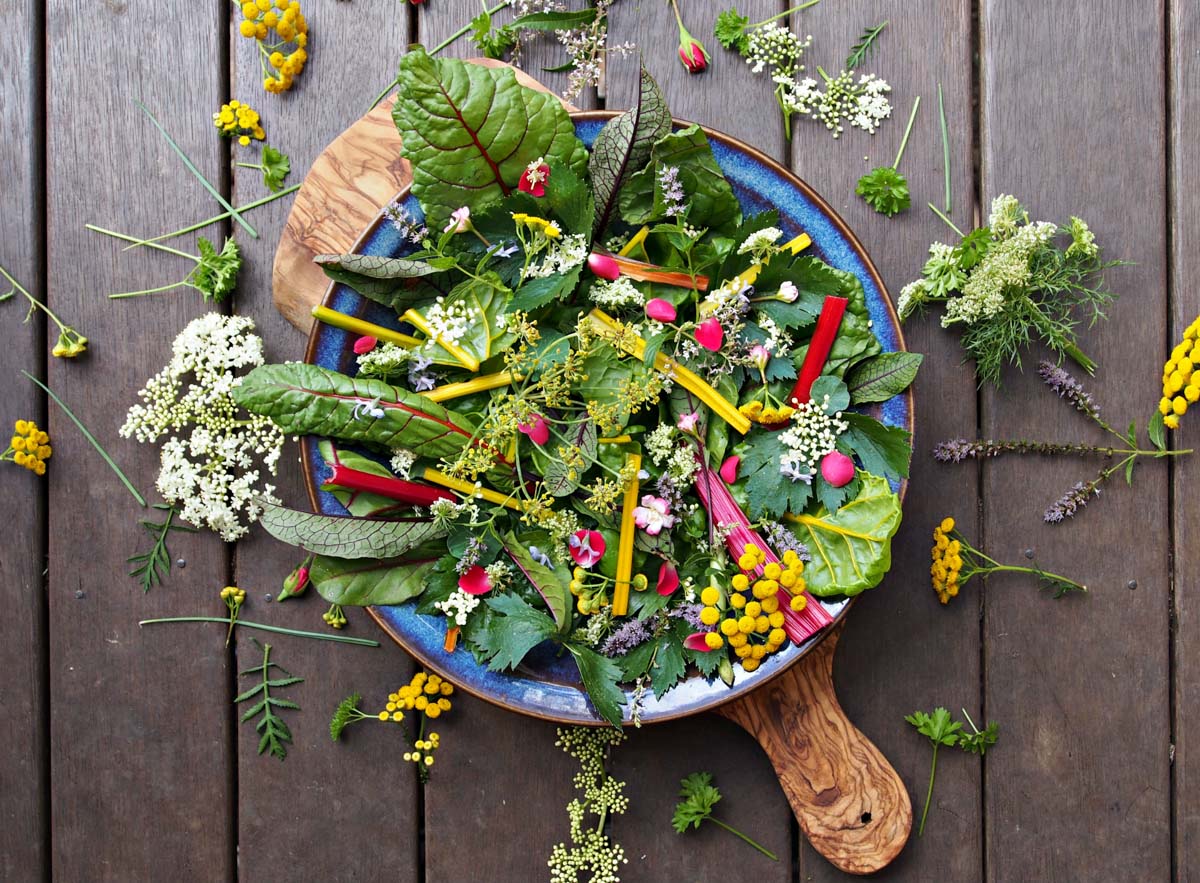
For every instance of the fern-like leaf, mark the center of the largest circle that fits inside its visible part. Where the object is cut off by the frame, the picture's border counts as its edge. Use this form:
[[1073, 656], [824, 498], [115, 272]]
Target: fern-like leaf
[[153, 566], [861, 49], [344, 714], [275, 732]]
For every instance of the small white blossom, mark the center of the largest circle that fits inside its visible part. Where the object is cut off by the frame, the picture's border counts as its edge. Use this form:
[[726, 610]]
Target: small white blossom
[[813, 433], [620, 292], [458, 606]]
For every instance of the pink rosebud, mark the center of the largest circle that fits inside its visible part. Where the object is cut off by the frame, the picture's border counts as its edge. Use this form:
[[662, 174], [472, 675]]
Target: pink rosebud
[[653, 515], [692, 53], [660, 310], [534, 178], [687, 422], [729, 469], [837, 468], [668, 578], [710, 334], [604, 266], [460, 221], [364, 344], [537, 430], [695, 641], [761, 355], [475, 581], [586, 547]]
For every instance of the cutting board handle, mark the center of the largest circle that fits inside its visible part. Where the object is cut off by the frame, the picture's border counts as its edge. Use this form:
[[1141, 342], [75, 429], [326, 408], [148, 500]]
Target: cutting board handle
[[850, 803]]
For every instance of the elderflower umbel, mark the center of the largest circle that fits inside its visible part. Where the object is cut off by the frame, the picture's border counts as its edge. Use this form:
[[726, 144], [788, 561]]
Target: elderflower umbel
[[458, 606], [864, 104], [600, 796], [777, 47], [813, 434], [618, 293], [215, 456], [385, 360], [761, 243], [562, 255]]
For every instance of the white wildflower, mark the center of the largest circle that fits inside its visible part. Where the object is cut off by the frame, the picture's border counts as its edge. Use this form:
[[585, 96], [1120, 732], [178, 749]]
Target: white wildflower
[[402, 462], [760, 244], [813, 433], [561, 256], [620, 292], [458, 606], [385, 360]]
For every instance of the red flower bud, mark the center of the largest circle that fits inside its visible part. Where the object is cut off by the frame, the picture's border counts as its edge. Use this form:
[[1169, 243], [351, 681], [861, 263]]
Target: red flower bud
[[693, 56], [364, 344], [604, 266]]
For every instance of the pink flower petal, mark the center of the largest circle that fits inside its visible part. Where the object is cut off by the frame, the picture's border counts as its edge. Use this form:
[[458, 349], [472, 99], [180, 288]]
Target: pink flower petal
[[475, 581], [603, 266], [710, 334], [729, 469], [364, 344], [660, 310], [668, 578], [837, 468], [695, 641], [586, 547], [538, 431]]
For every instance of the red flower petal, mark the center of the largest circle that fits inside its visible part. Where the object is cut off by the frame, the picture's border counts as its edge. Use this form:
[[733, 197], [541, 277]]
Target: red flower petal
[[586, 547], [729, 469], [538, 431], [668, 578], [475, 581], [710, 334], [603, 266], [660, 310], [695, 641], [364, 344]]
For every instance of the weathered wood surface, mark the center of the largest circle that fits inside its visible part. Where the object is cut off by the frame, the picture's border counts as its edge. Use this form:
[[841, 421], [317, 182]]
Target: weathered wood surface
[[24, 771], [141, 771]]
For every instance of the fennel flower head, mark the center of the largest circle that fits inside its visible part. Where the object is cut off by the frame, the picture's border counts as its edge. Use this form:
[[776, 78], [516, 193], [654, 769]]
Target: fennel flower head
[[215, 456]]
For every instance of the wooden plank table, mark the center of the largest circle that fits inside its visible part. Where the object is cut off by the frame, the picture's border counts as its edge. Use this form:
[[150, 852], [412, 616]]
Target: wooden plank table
[[124, 759]]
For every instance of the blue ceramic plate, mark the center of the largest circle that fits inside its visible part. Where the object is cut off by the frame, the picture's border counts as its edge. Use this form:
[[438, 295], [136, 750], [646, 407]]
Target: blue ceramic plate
[[545, 685]]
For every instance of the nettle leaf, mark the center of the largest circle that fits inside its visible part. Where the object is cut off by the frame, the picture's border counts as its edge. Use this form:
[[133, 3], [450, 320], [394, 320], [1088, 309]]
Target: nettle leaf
[[560, 479], [470, 131], [510, 633], [310, 400], [485, 299], [852, 548], [879, 378], [543, 290], [767, 492], [343, 536], [360, 503], [623, 147], [706, 192], [549, 582], [813, 278], [668, 665], [882, 450], [366, 582], [600, 678]]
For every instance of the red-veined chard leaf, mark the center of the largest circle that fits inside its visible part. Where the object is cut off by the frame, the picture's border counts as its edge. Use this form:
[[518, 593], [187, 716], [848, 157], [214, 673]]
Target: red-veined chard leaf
[[550, 582], [363, 504], [346, 536], [368, 581], [469, 132], [311, 400], [623, 147]]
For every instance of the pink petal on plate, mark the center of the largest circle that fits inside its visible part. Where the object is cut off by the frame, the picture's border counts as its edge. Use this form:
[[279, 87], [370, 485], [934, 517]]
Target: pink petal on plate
[[586, 547], [695, 641], [660, 310], [668, 578], [729, 469], [710, 334], [364, 344], [475, 581], [603, 266]]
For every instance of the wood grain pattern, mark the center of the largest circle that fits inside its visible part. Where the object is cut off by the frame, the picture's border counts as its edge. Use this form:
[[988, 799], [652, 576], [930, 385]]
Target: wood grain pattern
[[347, 185], [358, 783], [1081, 688], [139, 741], [850, 803], [886, 665], [1185, 514], [24, 814]]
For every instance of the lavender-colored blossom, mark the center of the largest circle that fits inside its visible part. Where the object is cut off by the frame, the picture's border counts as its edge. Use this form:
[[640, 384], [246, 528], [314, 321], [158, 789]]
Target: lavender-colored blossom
[[628, 635], [470, 555], [672, 190], [690, 613], [1068, 388], [781, 539], [1071, 502], [956, 450]]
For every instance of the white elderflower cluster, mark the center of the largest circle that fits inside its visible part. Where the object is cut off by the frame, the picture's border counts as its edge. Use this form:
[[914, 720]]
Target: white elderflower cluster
[[777, 47], [1005, 265], [618, 293], [760, 244], [561, 256], [813, 434], [500, 574], [660, 443], [863, 104], [385, 360], [215, 455], [448, 322], [402, 462], [458, 606]]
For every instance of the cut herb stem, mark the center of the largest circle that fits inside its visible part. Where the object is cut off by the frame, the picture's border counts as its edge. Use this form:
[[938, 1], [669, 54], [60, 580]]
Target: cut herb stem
[[942, 215], [241, 623], [737, 833], [945, 145], [786, 12], [91, 438], [907, 131], [33, 301], [928, 792], [200, 225], [134, 239]]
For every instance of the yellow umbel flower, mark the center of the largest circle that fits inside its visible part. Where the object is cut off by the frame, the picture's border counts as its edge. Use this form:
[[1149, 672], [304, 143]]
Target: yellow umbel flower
[[947, 561], [1180, 381], [259, 20], [239, 120], [28, 447]]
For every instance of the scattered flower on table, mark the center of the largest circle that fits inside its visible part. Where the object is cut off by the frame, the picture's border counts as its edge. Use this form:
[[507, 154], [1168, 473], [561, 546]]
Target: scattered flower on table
[[692, 53], [598, 797], [239, 120], [285, 19], [1180, 381], [70, 342], [28, 447]]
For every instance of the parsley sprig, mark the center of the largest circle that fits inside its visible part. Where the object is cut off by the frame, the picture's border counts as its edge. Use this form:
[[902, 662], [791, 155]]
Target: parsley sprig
[[152, 566], [215, 273], [275, 166], [884, 188], [699, 797], [275, 732], [941, 729]]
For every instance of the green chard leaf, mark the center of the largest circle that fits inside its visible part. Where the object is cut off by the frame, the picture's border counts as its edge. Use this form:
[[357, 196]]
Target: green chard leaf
[[880, 377], [852, 548], [368, 582], [708, 195], [506, 637], [882, 450], [600, 678], [310, 400], [484, 300], [469, 132], [623, 147], [939, 728], [346, 537]]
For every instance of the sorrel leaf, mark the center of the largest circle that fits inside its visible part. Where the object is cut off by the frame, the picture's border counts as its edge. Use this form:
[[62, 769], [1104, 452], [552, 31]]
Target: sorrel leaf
[[878, 379], [470, 131], [366, 582], [346, 536], [550, 582], [623, 148], [711, 200], [310, 400], [851, 549]]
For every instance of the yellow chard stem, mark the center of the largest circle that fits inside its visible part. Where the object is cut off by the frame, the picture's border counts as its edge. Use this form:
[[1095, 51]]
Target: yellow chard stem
[[615, 440], [467, 387], [362, 327], [464, 358], [468, 489], [795, 246], [620, 604], [634, 241], [607, 327]]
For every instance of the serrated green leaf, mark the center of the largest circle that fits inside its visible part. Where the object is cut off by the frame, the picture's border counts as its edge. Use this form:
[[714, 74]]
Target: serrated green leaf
[[368, 582], [275, 168], [554, 21], [505, 638], [310, 400], [882, 450], [880, 377], [470, 131], [600, 677], [768, 493], [346, 537], [708, 195], [668, 665], [623, 147], [543, 290], [636, 662], [1129, 470]]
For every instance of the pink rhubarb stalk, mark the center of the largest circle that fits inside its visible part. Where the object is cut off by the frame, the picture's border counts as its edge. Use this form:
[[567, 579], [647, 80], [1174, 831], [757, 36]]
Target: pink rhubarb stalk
[[410, 492], [723, 509], [823, 337]]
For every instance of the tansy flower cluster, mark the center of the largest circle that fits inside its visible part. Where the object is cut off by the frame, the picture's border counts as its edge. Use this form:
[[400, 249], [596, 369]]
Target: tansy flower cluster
[[239, 120], [947, 561], [29, 447], [753, 626], [1181, 385], [289, 24]]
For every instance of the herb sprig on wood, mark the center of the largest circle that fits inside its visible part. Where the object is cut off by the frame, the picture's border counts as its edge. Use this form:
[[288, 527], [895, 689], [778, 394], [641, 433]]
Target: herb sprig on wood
[[276, 734], [152, 566]]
